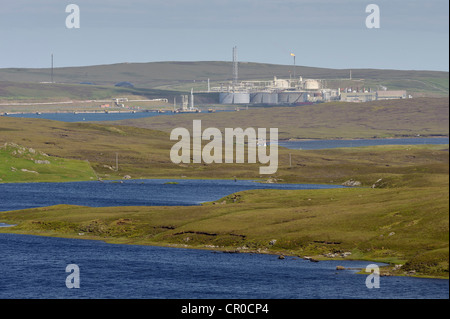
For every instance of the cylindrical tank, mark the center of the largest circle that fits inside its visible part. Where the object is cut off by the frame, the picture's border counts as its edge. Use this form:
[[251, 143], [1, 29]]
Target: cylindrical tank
[[234, 98], [281, 84], [241, 98], [312, 85], [297, 97], [226, 98], [264, 98]]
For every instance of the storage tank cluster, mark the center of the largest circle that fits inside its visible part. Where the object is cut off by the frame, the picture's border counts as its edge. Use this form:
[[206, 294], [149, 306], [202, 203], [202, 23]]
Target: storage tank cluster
[[263, 98], [278, 91], [234, 98]]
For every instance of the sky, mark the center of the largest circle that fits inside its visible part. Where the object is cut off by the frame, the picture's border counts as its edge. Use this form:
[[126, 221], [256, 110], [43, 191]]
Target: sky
[[412, 34]]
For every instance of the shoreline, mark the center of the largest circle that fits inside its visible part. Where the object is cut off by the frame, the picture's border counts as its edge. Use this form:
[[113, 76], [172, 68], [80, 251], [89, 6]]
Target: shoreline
[[386, 270], [115, 180], [362, 139]]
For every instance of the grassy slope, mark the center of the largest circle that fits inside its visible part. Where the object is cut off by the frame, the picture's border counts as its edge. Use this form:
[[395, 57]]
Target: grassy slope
[[395, 118], [22, 97], [30, 92], [20, 164], [145, 153]]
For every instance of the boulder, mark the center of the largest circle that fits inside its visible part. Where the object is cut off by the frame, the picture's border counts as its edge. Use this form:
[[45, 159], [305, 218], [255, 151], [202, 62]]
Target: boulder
[[377, 183], [42, 162], [28, 171], [351, 183]]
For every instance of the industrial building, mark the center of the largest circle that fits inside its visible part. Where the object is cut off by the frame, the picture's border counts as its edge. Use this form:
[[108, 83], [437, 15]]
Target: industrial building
[[391, 95], [292, 91], [277, 91], [351, 95]]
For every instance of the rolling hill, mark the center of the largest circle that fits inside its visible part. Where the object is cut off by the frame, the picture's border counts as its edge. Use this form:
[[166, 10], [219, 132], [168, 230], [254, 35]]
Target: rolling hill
[[183, 75]]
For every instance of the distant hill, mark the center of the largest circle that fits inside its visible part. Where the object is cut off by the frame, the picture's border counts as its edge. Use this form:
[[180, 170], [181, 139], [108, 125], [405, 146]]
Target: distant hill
[[183, 75], [28, 91]]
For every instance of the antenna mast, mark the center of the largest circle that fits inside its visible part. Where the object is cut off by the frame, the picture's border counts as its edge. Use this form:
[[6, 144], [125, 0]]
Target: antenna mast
[[235, 67], [52, 69]]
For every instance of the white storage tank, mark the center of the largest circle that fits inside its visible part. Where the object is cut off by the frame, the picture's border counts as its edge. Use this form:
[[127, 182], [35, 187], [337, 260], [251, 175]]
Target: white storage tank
[[226, 98], [241, 98], [312, 85], [234, 98], [292, 97], [264, 98]]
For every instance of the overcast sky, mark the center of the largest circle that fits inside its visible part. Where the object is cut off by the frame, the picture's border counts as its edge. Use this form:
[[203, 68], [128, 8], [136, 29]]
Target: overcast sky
[[413, 34]]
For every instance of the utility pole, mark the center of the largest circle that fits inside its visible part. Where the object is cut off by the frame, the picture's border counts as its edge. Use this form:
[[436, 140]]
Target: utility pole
[[290, 160], [52, 70], [117, 162]]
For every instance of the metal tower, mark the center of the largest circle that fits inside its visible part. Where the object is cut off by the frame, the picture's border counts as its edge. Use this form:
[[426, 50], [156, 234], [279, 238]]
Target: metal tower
[[235, 67], [192, 100]]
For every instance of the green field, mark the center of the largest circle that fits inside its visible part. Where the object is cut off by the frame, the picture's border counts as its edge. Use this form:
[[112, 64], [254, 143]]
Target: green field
[[145, 153], [20, 164]]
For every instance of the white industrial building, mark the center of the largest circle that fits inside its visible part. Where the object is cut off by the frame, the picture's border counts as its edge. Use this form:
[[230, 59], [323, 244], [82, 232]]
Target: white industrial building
[[277, 91]]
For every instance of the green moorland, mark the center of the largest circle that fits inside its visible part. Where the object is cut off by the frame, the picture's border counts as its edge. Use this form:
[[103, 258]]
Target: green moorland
[[21, 164], [399, 215], [145, 153]]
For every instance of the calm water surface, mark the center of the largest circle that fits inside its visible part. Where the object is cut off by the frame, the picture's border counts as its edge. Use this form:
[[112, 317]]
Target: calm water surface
[[34, 267], [154, 192], [327, 144], [89, 117]]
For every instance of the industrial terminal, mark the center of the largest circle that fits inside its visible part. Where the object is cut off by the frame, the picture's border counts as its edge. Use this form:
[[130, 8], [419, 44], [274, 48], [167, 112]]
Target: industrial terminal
[[292, 91], [297, 92]]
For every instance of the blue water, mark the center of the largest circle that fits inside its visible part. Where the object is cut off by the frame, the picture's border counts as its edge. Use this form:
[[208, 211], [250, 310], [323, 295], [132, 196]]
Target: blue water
[[35, 267], [156, 192], [327, 144], [88, 117]]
